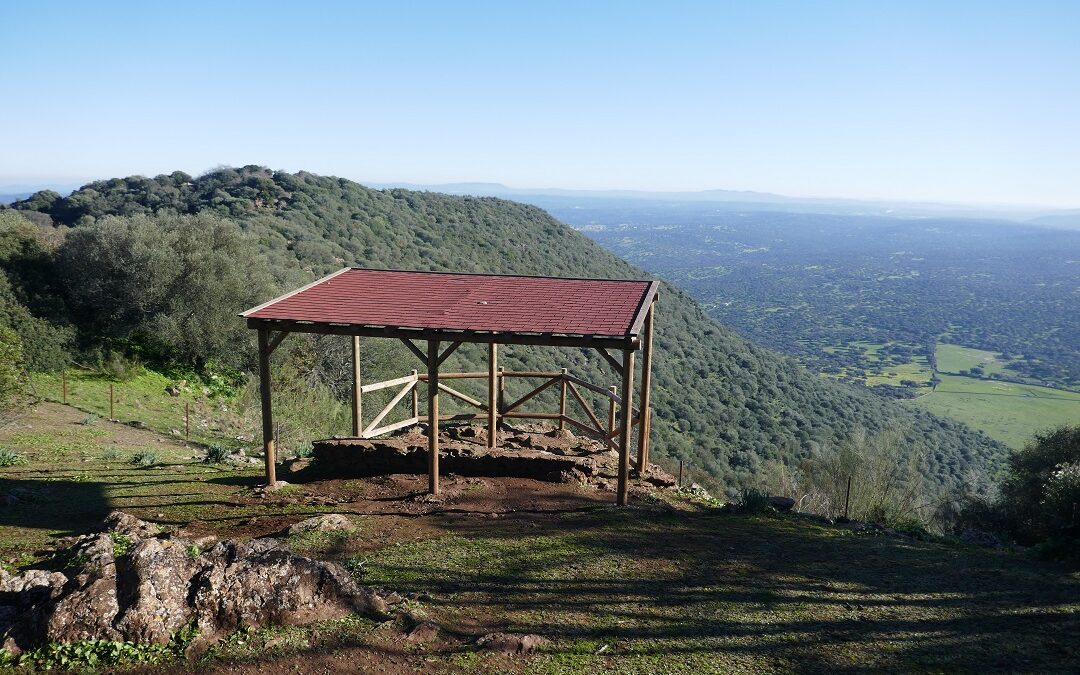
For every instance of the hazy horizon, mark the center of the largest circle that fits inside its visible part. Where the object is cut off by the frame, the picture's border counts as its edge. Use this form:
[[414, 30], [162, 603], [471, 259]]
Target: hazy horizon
[[961, 103]]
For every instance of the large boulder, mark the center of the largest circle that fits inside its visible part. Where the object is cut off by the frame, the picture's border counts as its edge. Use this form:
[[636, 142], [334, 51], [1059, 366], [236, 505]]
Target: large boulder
[[130, 583]]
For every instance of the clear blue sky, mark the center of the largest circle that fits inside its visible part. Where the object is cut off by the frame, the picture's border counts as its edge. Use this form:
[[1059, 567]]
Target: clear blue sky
[[955, 101]]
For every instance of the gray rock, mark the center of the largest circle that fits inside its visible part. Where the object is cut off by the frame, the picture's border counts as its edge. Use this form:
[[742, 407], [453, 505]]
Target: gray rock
[[156, 588], [331, 522], [510, 644]]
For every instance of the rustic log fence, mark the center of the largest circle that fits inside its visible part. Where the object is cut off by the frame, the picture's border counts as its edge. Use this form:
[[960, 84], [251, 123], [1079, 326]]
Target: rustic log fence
[[568, 384]]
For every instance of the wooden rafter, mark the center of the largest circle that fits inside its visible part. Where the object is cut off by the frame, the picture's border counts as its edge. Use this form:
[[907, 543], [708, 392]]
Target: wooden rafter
[[276, 340], [415, 350], [447, 352], [611, 360]]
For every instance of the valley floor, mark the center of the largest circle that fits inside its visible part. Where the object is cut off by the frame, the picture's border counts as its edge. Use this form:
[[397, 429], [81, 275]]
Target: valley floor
[[669, 585]]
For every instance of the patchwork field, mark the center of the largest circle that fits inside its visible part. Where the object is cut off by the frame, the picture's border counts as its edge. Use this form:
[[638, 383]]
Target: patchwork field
[[955, 358], [1009, 412]]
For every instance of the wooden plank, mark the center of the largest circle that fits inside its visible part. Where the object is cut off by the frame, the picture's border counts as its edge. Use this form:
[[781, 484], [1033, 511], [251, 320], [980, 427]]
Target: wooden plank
[[389, 406], [461, 396], [375, 386], [415, 350], [475, 337], [609, 437], [610, 392], [562, 399], [646, 385], [433, 416], [357, 390], [626, 414], [462, 417], [530, 373], [611, 360], [581, 425], [470, 375], [530, 395], [415, 398], [447, 352], [493, 396], [584, 406], [391, 427], [532, 415], [646, 302], [267, 407]]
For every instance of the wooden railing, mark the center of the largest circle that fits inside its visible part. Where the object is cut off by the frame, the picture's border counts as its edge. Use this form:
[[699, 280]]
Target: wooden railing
[[592, 425]]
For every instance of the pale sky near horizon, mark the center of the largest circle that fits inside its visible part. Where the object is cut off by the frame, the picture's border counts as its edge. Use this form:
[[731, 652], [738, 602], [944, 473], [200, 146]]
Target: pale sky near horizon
[[975, 102]]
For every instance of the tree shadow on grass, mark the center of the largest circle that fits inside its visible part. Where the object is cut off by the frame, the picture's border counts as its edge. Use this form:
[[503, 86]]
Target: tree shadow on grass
[[737, 591], [66, 507]]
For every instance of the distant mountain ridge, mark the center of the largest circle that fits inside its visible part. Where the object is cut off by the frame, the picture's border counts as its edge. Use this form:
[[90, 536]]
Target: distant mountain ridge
[[724, 405], [749, 200]]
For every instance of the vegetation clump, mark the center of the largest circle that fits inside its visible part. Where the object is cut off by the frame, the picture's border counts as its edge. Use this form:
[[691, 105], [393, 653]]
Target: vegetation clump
[[145, 458], [9, 457]]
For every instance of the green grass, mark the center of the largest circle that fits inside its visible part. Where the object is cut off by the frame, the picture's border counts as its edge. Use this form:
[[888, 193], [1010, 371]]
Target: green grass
[[140, 399], [650, 591], [1009, 412], [954, 358], [668, 586]]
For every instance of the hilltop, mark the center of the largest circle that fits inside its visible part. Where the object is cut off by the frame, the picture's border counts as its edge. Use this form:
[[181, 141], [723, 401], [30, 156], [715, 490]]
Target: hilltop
[[723, 404]]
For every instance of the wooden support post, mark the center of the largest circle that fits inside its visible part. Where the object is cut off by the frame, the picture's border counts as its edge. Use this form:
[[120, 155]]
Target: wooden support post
[[646, 384], [112, 398], [63, 379], [415, 398], [433, 416], [502, 393], [267, 412], [493, 396], [357, 417], [187, 421], [626, 421], [847, 499], [611, 414], [562, 399]]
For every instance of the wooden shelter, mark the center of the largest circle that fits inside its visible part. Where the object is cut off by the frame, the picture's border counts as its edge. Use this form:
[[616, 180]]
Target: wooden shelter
[[446, 310]]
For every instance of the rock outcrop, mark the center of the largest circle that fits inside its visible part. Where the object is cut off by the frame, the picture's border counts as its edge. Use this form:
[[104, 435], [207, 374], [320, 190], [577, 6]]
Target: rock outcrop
[[541, 454], [131, 583]]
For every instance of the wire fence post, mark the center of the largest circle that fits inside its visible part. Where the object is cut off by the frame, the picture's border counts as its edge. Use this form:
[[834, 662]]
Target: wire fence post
[[847, 499], [187, 421], [63, 378], [112, 415], [680, 473]]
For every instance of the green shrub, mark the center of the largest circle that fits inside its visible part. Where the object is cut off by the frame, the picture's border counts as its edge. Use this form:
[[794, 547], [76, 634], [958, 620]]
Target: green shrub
[[216, 454], [1040, 496], [9, 457], [145, 458], [754, 501], [89, 420], [304, 449], [112, 454], [121, 544]]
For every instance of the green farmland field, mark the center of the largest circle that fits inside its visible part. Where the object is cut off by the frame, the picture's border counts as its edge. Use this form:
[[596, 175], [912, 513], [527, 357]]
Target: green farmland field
[[954, 358], [1009, 412]]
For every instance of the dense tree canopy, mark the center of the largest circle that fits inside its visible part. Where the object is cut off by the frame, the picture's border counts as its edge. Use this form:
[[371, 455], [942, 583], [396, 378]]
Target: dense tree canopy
[[721, 403]]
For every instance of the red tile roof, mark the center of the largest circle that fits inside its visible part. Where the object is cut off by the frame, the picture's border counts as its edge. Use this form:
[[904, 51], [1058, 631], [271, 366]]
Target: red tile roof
[[478, 302]]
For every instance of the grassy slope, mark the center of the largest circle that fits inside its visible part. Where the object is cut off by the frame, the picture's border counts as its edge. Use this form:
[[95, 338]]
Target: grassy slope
[[664, 586], [1009, 412]]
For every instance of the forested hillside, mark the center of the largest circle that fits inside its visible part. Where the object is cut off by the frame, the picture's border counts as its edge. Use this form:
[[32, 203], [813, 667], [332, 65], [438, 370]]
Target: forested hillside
[[721, 403]]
